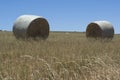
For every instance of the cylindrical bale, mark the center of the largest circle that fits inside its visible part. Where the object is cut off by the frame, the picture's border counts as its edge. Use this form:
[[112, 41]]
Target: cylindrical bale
[[31, 26], [100, 29]]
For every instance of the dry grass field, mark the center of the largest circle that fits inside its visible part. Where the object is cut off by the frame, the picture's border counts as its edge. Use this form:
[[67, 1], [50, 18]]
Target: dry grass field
[[63, 56]]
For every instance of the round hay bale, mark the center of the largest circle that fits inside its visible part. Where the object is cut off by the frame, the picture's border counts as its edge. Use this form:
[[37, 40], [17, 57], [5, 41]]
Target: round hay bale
[[31, 26], [100, 29]]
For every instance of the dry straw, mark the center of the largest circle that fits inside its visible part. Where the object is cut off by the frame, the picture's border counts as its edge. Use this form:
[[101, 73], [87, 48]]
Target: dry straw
[[31, 26], [100, 29]]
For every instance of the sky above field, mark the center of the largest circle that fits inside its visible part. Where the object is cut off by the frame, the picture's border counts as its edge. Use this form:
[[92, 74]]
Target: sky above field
[[62, 15]]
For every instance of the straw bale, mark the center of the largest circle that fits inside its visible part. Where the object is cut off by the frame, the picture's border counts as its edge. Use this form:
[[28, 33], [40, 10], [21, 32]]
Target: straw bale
[[100, 29], [31, 26]]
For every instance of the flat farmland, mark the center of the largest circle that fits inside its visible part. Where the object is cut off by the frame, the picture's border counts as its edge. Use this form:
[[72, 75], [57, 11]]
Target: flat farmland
[[63, 56]]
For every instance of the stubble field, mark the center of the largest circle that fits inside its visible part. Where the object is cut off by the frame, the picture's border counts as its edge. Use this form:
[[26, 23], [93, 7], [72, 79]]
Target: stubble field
[[63, 56]]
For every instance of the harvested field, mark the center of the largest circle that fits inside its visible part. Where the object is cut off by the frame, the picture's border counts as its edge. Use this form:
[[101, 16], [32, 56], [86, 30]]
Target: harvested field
[[63, 56]]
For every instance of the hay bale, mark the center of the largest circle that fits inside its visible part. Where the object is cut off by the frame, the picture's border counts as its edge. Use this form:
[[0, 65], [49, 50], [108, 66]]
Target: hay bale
[[31, 26], [100, 29]]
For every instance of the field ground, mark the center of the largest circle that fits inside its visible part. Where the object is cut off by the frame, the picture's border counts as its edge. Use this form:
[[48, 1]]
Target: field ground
[[63, 56]]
